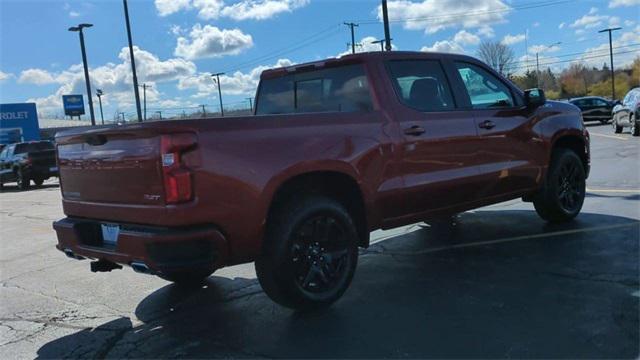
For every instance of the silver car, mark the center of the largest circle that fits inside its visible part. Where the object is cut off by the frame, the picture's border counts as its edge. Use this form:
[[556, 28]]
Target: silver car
[[627, 114]]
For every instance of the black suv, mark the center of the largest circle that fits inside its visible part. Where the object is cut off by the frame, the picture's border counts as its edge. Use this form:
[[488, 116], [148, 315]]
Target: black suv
[[595, 108], [23, 162]]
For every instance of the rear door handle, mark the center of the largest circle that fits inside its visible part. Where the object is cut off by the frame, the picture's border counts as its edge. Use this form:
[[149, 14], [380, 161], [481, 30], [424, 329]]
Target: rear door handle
[[487, 124], [415, 130]]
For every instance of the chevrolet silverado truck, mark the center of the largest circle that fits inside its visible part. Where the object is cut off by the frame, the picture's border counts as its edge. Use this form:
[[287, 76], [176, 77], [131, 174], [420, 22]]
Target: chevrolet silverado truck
[[27, 161], [335, 149]]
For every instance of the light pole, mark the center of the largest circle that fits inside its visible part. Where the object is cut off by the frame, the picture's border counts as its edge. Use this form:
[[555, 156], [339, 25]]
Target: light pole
[[250, 103], [217, 80], [538, 62], [381, 42], [385, 17], [78, 29], [144, 98], [133, 61], [613, 78], [99, 94]]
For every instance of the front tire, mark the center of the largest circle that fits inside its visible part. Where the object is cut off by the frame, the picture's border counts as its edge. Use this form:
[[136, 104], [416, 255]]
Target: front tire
[[309, 254], [616, 128], [38, 181], [562, 194], [22, 180]]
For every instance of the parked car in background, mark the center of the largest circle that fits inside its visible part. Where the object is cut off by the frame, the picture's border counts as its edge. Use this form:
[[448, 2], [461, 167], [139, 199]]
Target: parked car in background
[[28, 161], [627, 114], [595, 108], [336, 149]]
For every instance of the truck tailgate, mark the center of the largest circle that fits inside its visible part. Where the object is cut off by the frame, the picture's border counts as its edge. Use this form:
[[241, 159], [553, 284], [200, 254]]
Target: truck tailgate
[[111, 167]]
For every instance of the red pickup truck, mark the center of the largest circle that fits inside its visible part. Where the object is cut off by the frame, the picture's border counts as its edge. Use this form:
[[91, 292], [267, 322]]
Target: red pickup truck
[[335, 149]]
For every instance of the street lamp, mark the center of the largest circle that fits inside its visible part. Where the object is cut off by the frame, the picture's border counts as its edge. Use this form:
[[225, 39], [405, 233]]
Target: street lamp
[[538, 62], [78, 29], [217, 80], [99, 94]]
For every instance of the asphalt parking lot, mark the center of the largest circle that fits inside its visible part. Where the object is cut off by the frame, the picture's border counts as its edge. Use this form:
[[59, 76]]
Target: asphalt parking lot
[[497, 283]]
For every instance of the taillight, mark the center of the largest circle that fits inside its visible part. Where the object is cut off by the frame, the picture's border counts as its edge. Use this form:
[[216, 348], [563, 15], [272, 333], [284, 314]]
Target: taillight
[[177, 177]]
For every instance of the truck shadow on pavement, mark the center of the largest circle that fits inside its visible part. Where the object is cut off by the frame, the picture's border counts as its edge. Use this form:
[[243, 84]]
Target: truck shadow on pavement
[[14, 188], [492, 284]]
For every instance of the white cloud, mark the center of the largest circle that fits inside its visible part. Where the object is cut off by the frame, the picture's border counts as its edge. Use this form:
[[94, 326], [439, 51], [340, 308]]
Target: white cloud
[[74, 14], [614, 21], [241, 10], [168, 7], [114, 79], [261, 10], [466, 38], [543, 49], [588, 21], [36, 77], [561, 26], [536, 24], [629, 23], [445, 46], [238, 83], [5, 76], [513, 39], [435, 15], [618, 3], [208, 9], [486, 31], [210, 42]]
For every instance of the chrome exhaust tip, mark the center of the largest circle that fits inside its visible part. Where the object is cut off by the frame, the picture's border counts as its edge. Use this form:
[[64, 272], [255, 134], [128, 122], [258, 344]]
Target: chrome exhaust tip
[[141, 267]]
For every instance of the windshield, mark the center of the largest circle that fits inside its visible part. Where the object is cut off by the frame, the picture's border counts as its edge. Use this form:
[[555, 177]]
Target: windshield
[[33, 147]]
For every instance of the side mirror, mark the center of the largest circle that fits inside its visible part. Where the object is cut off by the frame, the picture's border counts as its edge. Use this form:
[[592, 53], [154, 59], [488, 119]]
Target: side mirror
[[534, 97]]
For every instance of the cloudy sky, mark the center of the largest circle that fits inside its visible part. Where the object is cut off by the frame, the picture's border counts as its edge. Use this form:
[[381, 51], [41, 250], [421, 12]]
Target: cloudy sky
[[180, 42]]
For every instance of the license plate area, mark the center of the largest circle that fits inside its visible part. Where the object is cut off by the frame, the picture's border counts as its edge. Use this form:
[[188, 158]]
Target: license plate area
[[110, 233], [95, 234]]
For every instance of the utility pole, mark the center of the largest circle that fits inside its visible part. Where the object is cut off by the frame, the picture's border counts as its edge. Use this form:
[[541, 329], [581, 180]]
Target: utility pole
[[613, 77], [217, 80], [78, 29], [250, 103], [144, 87], [123, 119], [99, 94], [159, 112], [385, 17], [204, 112], [353, 36], [538, 63], [133, 61]]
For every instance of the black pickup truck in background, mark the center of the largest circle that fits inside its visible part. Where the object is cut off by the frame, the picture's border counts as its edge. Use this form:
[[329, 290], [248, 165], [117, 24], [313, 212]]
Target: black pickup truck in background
[[27, 161]]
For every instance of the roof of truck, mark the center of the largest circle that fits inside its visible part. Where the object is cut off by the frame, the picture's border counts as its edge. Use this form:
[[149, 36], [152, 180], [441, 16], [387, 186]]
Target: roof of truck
[[356, 58]]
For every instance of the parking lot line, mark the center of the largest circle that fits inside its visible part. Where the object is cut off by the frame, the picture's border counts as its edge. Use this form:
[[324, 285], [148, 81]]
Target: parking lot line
[[609, 136], [628, 191], [510, 239]]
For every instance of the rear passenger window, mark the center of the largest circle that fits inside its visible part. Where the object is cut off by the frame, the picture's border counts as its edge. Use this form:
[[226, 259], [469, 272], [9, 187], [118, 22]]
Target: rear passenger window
[[340, 89], [421, 84], [485, 90]]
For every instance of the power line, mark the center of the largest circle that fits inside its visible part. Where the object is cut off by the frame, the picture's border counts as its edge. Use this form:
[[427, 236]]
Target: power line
[[577, 59], [582, 53]]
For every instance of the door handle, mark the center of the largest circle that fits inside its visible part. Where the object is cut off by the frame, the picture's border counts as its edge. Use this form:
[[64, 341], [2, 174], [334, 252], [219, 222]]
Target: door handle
[[487, 124], [415, 130]]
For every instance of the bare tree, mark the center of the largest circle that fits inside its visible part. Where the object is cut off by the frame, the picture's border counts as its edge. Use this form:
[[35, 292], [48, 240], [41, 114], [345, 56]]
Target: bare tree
[[498, 55]]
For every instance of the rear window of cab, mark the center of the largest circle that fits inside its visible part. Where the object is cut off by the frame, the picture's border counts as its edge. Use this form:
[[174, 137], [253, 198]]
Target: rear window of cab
[[338, 89]]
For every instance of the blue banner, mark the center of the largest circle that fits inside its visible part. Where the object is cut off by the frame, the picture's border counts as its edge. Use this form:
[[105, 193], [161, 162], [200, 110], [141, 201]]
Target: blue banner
[[18, 123]]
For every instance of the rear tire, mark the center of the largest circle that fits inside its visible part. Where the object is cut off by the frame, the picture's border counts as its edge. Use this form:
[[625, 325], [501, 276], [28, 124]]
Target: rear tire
[[38, 181], [635, 129], [562, 195], [616, 128], [22, 180], [310, 253]]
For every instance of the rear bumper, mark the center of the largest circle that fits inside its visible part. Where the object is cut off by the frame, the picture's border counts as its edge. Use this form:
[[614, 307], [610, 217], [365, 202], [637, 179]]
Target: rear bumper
[[161, 249]]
